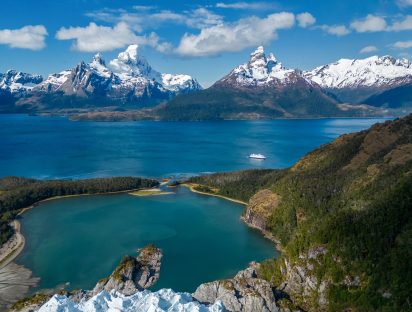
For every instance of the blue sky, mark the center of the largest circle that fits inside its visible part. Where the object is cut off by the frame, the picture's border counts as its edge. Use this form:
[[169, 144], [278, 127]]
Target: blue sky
[[205, 39]]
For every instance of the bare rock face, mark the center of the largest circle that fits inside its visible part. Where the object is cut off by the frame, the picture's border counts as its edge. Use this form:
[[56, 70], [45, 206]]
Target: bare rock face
[[245, 292], [302, 284], [133, 274], [260, 207]]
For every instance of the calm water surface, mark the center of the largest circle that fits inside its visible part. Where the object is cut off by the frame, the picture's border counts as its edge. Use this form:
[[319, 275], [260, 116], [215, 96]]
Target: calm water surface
[[80, 240], [45, 147]]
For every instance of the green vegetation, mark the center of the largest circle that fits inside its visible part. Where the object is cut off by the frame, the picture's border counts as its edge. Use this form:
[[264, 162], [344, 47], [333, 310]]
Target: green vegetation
[[220, 103], [17, 193], [399, 97], [352, 197], [240, 185]]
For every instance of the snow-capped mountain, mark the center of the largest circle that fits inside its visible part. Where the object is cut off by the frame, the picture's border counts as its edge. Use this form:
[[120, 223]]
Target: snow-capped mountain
[[162, 300], [262, 71], [261, 88], [127, 79], [356, 79], [129, 65], [18, 83]]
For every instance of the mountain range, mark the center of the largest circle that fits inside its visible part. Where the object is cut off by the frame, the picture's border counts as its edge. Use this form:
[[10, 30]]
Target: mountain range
[[128, 81], [355, 81], [261, 88]]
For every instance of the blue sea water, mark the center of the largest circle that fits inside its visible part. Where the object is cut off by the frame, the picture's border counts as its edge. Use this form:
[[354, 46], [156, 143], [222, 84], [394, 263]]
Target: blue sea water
[[54, 147], [81, 239]]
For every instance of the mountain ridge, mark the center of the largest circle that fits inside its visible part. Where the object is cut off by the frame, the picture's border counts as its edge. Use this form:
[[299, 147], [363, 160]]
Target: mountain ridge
[[129, 80], [260, 88]]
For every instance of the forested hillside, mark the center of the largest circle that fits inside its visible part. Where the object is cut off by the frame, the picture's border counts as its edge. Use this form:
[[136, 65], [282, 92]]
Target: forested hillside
[[343, 216]]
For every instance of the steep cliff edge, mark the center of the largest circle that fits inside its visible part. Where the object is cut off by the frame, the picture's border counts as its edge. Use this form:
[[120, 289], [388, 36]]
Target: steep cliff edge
[[343, 217]]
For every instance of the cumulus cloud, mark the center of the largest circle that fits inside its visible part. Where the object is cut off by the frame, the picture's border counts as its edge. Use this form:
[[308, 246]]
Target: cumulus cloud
[[27, 37], [95, 38], [244, 33], [405, 24], [305, 19], [368, 49], [371, 23], [246, 5], [403, 44], [336, 30]]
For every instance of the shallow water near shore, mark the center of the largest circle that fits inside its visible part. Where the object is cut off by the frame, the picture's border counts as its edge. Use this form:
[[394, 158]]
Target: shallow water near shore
[[81, 239]]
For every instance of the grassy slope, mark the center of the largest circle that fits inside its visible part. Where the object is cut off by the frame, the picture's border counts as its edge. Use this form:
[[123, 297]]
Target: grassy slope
[[352, 196]]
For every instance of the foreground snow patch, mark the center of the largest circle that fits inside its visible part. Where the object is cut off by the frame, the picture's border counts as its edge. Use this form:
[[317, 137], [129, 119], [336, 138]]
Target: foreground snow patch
[[162, 300]]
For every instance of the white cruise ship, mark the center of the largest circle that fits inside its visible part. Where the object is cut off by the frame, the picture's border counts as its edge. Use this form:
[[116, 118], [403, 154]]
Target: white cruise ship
[[257, 156]]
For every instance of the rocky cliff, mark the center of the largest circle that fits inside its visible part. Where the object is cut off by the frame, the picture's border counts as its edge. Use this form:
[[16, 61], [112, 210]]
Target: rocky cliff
[[342, 216]]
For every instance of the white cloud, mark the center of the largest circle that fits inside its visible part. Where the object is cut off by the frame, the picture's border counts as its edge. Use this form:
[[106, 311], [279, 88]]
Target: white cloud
[[201, 18], [305, 19], [371, 23], [368, 49], [27, 37], [405, 24], [337, 30], [244, 33], [404, 3], [246, 5], [94, 38], [403, 45], [198, 18]]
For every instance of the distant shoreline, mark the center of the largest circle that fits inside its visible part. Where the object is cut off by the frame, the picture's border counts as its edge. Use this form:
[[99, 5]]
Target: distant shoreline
[[68, 117]]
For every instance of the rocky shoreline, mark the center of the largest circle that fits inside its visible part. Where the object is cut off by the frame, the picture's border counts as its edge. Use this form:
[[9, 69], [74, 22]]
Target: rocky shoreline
[[245, 292], [129, 281]]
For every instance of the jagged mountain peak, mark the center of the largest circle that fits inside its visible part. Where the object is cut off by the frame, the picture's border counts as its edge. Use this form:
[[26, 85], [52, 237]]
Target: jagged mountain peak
[[98, 58], [258, 58], [261, 70], [127, 78], [18, 82], [130, 54], [130, 63]]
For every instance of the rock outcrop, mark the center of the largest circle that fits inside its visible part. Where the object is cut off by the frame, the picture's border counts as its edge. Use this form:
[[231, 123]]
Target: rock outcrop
[[301, 282], [133, 274], [260, 207], [245, 292]]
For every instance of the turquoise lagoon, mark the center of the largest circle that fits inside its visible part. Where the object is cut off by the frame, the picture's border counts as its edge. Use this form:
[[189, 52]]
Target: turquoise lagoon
[[79, 240]]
